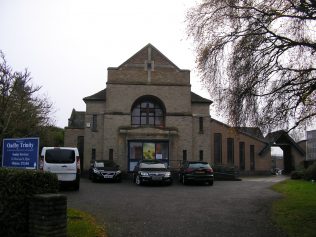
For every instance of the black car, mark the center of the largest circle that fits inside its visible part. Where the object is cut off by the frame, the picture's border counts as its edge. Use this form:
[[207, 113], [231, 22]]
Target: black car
[[105, 170], [196, 171], [151, 171]]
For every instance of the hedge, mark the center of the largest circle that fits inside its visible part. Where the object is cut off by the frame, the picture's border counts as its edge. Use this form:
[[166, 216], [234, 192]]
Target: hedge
[[310, 173], [16, 188]]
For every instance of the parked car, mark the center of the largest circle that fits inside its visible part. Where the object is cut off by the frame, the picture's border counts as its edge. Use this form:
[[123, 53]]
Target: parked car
[[105, 170], [151, 171], [196, 171], [64, 162]]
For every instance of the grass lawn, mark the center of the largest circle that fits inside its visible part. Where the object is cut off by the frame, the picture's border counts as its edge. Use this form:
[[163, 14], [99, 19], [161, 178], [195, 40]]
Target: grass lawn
[[81, 224], [295, 213]]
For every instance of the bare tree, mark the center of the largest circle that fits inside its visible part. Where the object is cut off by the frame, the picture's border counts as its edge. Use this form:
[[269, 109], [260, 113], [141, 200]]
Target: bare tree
[[23, 112], [257, 58]]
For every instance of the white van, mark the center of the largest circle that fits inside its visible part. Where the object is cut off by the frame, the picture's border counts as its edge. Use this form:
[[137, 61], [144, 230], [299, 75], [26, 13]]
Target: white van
[[64, 162]]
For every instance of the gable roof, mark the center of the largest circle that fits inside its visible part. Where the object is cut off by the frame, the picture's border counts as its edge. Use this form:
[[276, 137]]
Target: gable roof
[[275, 138], [142, 55], [77, 119], [195, 98], [99, 96]]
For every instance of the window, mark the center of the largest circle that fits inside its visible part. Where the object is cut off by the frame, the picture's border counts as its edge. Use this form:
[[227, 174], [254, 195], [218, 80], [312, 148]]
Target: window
[[149, 150], [252, 157], [184, 155], [94, 122], [111, 154], [218, 148], [93, 154], [242, 155], [201, 124], [201, 155], [148, 111], [62, 156], [230, 150]]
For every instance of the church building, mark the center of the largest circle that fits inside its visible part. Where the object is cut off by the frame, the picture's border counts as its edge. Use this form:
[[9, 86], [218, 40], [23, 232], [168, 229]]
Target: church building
[[148, 111]]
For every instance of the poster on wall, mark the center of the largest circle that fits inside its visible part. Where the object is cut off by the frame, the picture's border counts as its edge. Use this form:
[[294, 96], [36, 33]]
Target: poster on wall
[[149, 151], [20, 153]]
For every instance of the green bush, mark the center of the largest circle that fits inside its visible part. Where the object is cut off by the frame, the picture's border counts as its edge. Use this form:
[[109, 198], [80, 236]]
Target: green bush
[[297, 174], [310, 172], [16, 188]]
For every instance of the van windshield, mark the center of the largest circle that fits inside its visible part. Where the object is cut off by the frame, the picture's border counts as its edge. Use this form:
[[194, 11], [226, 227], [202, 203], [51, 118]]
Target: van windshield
[[60, 156]]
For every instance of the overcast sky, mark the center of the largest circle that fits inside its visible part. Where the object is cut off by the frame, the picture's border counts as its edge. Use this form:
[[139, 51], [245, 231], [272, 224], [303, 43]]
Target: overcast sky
[[67, 45]]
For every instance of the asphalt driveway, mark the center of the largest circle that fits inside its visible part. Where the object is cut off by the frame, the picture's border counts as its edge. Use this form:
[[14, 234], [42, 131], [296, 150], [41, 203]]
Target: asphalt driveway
[[229, 208]]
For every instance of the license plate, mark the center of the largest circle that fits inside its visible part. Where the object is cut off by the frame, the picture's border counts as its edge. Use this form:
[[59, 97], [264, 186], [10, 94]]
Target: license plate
[[156, 178], [108, 176], [199, 172]]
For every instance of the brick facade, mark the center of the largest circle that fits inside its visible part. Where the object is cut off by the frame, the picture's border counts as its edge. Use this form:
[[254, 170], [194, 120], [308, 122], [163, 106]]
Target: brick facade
[[188, 129]]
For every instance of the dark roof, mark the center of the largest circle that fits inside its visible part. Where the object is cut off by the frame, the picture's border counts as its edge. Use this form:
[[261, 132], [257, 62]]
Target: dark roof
[[77, 119], [99, 96], [252, 131], [280, 137], [239, 130], [195, 98]]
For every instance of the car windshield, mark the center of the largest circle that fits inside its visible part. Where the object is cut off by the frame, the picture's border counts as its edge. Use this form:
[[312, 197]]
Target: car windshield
[[58, 156], [99, 164], [199, 165], [104, 163], [152, 166]]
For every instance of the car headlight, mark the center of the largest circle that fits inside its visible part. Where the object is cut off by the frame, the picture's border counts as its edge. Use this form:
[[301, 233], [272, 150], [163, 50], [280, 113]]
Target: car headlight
[[168, 174], [96, 171], [144, 173]]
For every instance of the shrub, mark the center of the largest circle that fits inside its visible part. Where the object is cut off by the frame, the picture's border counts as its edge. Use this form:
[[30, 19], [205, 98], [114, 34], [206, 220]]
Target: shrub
[[297, 174], [311, 172], [16, 188]]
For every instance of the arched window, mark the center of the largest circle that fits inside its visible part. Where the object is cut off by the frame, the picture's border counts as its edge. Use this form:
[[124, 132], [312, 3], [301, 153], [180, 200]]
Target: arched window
[[148, 111]]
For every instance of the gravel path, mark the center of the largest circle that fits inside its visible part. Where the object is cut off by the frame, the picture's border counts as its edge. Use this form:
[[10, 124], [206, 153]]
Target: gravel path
[[229, 208]]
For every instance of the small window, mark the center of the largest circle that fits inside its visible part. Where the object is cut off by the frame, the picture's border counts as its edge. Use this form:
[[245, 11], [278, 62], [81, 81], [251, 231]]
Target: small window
[[242, 155], [111, 154], [230, 150], [93, 154], [184, 155], [218, 148], [201, 124], [94, 122], [252, 157], [201, 155]]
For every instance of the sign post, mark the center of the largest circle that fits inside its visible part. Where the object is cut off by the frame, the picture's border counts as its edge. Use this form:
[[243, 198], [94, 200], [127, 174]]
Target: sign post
[[20, 153]]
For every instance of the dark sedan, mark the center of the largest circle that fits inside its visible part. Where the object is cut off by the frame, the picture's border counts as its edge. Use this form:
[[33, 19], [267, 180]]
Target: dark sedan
[[105, 170], [151, 171], [196, 171]]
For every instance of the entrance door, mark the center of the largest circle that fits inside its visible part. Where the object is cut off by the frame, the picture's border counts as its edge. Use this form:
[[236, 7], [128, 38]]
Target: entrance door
[[147, 150]]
